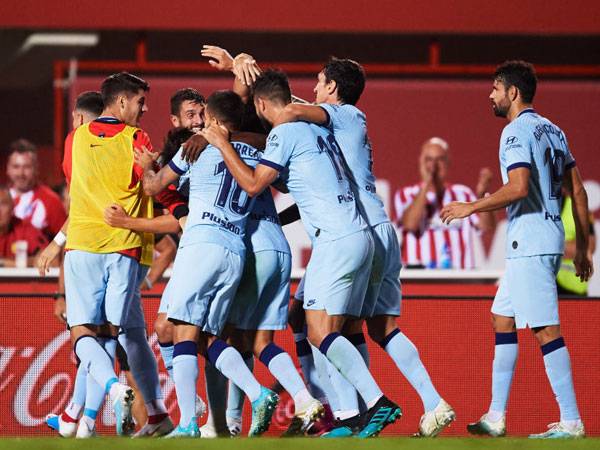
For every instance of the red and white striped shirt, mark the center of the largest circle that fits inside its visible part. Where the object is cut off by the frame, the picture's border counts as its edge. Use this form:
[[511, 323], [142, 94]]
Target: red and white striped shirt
[[436, 245]]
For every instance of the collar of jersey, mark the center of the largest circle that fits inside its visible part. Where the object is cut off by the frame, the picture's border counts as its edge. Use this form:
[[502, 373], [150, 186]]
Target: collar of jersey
[[527, 111], [107, 119]]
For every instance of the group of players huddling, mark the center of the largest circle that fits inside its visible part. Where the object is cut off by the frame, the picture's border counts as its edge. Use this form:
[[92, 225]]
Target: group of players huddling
[[229, 290]]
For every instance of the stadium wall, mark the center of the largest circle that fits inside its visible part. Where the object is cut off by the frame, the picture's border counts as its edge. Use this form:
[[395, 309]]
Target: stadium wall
[[453, 336]]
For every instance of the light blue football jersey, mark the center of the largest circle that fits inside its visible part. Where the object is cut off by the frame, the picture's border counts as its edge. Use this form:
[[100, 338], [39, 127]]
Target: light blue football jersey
[[349, 126], [263, 229], [534, 223], [316, 179], [218, 207]]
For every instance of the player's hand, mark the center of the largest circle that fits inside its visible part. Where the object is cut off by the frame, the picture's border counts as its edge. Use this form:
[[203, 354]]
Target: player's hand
[[182, 222], [484, 181], [193, 147], [60, 309], [219, 58], [115, 216], [456, 210], [584, 267], [48, 255], [216, 135], [145, 158], [246, 69]]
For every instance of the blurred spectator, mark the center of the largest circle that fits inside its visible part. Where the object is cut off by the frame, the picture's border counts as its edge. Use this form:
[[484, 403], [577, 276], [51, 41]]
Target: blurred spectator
[[426, 241], [33, 201], [13, 229], [566, 280]]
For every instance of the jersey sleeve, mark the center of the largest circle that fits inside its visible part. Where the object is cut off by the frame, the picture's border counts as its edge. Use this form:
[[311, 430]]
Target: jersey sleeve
[[178, 164], [140, 139], [278, 150], [515, 150], [569, 158]]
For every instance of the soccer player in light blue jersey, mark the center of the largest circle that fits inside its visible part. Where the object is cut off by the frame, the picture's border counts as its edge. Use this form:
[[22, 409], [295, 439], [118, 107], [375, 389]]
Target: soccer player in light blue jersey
[[208, 268], [339, 268], [536, 163], [339, 87]]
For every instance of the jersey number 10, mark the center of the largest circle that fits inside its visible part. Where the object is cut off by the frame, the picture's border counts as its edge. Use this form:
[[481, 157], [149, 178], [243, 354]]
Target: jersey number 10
[[238, 200]]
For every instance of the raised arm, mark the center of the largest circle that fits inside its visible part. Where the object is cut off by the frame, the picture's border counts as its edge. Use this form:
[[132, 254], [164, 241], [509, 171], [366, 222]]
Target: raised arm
[[253, 181], [295, 112], [152, 181]]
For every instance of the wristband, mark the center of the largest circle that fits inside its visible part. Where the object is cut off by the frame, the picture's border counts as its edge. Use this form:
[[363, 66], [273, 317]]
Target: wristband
[[148, 282], [60, 239]]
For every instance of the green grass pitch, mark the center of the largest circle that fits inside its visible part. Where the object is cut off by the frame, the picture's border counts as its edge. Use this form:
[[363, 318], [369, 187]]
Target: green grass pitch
[[300, 444]]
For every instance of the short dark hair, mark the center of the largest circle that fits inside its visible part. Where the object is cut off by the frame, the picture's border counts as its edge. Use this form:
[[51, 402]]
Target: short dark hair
[[22, 145], [520, 74], [227, 107], [175, 137], [273, 84], [119, 83], [349, 77], [91, 102], [183, 95]]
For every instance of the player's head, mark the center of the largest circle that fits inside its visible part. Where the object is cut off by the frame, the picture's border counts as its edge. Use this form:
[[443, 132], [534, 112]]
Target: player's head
[[175, 138], [124, 96], [434, 159], [515, 83], [271, 94], [88, 107], [341, 80], [187, 108], [224, 108], [22, 166], [6, 206]]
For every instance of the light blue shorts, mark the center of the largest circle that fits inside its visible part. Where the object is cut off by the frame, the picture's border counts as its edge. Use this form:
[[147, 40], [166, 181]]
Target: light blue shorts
[[135, 316], [299, 295], [527, 291], [99, 287], [203, 284], [164, 299], [337, 274], [262, 298], [384, 294]]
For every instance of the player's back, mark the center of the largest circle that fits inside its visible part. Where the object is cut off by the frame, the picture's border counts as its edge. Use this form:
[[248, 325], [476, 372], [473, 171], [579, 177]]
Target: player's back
[[218, 206], [535, 226], [315, 178], [263, 229], [349, 126]]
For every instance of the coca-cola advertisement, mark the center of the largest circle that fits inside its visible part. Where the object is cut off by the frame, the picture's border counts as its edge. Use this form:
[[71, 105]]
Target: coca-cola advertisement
[[453, 336]]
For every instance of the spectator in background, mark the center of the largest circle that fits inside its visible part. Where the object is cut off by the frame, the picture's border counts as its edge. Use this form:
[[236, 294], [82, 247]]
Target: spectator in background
[[426, 241], [566, 280], [34, 202], [13, 229]]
